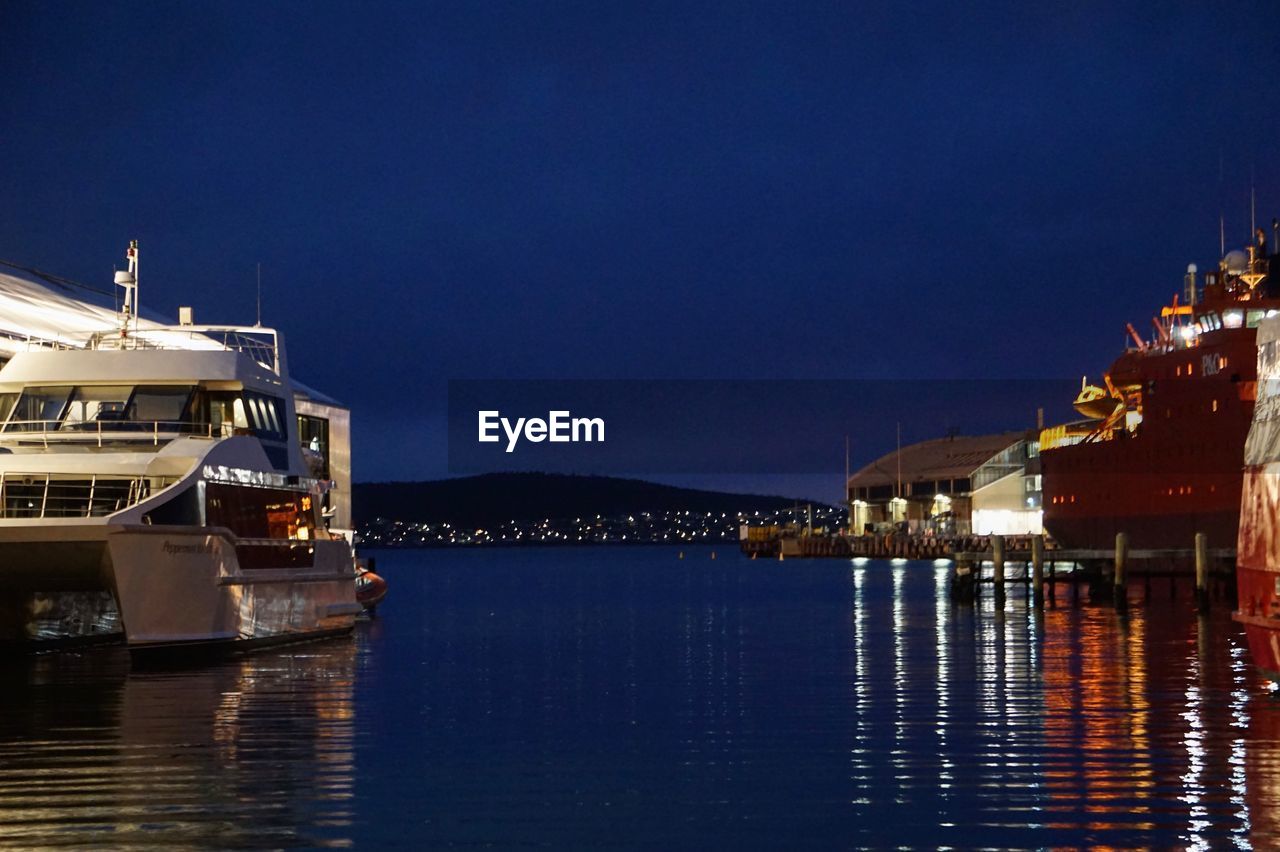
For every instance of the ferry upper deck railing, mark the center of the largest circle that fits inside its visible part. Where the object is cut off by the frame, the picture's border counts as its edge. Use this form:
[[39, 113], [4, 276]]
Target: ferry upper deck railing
[[44, 495], [260, 344], [100, 432]]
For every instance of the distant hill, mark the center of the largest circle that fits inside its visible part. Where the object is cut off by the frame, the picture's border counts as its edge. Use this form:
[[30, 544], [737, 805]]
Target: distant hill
[[480, 501]]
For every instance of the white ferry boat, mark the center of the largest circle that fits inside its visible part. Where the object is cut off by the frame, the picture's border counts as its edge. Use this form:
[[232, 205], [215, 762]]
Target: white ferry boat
[[154, 484]]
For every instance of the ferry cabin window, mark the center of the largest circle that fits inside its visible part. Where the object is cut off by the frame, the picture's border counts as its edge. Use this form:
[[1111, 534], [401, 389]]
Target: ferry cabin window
[[91, 405], [226, 413], [6, 405], [313, 435], [160, 404], [38, 408], [261, 512], [266, 415]]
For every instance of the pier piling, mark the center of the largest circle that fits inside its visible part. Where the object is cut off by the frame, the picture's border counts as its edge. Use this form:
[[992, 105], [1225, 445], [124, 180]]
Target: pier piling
[[1037, 570], [997, 569], [1202, 572], [1120, 591], [963, 582]]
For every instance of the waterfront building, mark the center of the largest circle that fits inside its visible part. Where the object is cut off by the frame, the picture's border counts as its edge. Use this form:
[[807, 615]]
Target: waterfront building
[[958, 485]]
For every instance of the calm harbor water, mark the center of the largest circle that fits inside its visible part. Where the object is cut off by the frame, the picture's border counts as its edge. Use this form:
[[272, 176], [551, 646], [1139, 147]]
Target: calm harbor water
[[621, 696]]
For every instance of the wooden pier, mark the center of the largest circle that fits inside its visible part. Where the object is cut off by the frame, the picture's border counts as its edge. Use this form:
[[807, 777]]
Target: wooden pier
[[1107, 574], [998, 561]]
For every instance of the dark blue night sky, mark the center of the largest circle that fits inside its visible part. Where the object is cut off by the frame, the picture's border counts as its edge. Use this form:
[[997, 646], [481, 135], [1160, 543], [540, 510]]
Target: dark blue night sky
[[598, 190]]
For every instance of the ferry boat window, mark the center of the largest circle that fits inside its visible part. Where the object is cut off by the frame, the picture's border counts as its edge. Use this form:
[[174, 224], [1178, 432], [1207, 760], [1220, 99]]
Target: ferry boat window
[[1252, 319], [313, 435], [6, 405], [38, 408], [92, 405], [226, 412], [265, 415], [160, 404], [261, 512]]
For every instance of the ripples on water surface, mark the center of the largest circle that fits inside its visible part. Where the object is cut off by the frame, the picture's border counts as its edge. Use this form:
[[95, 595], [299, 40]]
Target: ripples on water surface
[[619, 696]]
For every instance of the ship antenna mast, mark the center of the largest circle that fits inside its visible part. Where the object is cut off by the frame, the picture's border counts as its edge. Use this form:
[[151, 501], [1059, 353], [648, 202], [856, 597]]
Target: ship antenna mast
[[128, 279], [1253, 202], [259, 294]]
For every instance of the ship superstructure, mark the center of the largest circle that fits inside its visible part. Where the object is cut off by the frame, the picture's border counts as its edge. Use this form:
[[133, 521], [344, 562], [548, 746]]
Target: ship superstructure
[[1160, 451], [153, 483]]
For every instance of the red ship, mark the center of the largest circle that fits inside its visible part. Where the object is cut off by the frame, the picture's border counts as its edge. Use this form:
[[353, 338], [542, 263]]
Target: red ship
[[1258, 550], [1161, 454]]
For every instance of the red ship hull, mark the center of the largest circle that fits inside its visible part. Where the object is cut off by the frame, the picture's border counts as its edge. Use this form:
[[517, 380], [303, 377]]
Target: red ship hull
[[1189, 440], [1258, 567], [1178, 472], [1258, 545]]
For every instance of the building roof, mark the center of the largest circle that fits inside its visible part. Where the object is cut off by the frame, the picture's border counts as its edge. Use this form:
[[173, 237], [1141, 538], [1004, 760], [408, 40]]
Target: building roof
[[939, 459]]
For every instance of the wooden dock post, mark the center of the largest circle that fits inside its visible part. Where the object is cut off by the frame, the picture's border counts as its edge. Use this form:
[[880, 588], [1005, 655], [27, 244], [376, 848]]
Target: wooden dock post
[[1120, 590], [1037, 570], [997, 568], [963, 580], [1202, 572]]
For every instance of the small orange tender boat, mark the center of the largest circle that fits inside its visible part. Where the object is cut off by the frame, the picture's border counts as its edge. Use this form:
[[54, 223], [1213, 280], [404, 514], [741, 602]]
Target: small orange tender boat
[[370, 589]]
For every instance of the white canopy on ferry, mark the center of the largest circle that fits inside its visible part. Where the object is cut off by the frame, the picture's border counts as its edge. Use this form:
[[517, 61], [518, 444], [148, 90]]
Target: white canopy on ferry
[[54, 312]]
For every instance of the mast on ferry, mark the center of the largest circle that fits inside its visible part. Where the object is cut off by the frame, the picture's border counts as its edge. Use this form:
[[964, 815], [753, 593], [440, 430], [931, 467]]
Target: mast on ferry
[[128, 279]]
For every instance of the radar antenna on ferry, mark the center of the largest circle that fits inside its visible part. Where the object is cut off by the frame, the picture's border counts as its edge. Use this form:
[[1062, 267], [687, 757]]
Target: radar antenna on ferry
[[128, 279]]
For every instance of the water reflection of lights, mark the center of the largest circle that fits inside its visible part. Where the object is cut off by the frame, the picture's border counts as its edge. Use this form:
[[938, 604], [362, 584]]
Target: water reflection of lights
[[899, 675], [941, 613], [1193, 782], [1240, 721], [862, 734], [224, 755]]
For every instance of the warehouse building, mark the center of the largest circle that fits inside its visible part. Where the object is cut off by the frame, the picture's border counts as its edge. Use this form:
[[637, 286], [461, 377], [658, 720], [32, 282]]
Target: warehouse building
[[958, 485]]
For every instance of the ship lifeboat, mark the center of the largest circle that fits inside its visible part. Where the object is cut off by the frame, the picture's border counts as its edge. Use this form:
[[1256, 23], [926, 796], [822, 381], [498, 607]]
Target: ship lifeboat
[[1094, 402], [370, 590]]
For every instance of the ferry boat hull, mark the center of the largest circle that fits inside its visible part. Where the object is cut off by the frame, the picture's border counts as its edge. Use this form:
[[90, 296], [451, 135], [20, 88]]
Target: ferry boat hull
[[153, 487], [164, 587], [179, 587]]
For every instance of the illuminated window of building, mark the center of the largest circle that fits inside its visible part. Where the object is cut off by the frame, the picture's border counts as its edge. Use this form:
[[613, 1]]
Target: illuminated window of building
[[897, 509]]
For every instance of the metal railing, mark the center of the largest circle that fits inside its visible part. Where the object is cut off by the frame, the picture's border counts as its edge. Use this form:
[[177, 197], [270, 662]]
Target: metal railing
[[108, 431], [259, 344], [46, 495]]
